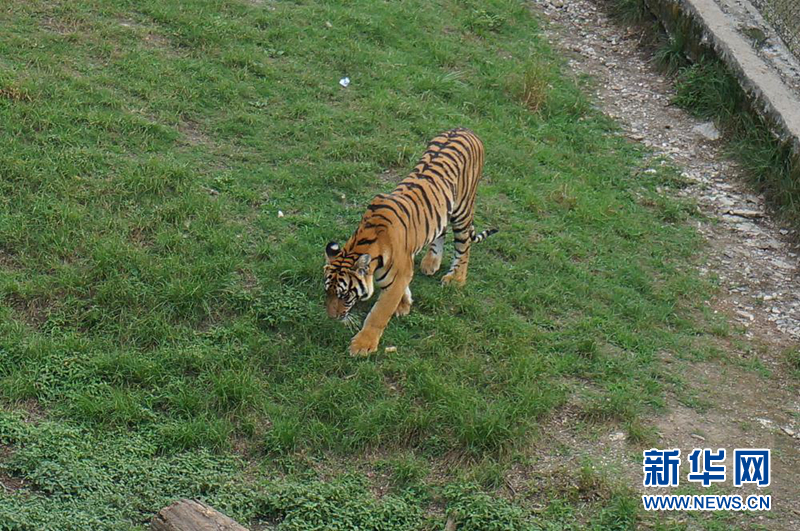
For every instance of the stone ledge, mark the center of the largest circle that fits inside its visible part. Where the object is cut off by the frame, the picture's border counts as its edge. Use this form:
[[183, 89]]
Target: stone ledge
[[772, 87]]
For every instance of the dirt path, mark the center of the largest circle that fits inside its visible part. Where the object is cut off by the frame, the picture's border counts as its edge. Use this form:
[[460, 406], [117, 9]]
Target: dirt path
[[749, 253]]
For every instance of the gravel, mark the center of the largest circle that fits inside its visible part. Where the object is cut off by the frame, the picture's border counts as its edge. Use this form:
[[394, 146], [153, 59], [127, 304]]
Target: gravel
[[749, 251]]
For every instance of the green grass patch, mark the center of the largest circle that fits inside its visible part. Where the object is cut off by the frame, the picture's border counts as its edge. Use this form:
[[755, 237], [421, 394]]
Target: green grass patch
[[167, 325], [630, 11], [792, 359]]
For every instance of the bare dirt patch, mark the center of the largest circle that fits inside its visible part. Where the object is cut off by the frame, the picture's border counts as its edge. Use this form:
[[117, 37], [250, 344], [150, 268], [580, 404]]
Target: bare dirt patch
[[8, 261], [193, 133], [33, 311], [150, 37], [746, 411], [15, 94], [63, 26], [8, 483], [392, 176], [11, 484]]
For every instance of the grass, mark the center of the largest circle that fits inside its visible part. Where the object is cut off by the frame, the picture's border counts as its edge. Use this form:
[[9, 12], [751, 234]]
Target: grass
[[630, 11], [162, 333], [533, 86], [671, 53], [792, 358]]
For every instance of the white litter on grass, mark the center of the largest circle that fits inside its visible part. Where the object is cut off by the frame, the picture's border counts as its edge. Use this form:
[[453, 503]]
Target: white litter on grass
[[280, 213], [391, 349], [345, 81], [618, 436]]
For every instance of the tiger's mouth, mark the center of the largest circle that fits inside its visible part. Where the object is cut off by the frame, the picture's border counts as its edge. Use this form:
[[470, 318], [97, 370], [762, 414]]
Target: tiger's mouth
[[349, 321], [337, 308], [345, 313]]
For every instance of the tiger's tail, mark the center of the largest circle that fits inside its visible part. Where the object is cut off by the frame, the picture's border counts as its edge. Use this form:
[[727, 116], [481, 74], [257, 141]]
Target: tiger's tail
[[482, 236]]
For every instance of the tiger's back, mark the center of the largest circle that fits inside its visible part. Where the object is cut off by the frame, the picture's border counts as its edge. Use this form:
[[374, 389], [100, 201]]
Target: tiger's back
[[440, 190], [441, 186]]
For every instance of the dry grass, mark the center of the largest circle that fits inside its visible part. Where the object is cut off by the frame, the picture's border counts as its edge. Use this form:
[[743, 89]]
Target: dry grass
[[533, 86]]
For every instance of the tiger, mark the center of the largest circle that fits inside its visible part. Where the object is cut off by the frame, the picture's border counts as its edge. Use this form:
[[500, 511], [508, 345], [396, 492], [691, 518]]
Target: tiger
[[439, 190]]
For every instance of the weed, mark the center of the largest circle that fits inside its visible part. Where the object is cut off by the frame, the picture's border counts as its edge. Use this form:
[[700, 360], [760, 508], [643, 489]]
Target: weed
[[630, 11], [489, 474], [641, 434], [709, 91], [473, 510], [407, 472], [671, 55], [533, 87], [792, 357], [482, 22]]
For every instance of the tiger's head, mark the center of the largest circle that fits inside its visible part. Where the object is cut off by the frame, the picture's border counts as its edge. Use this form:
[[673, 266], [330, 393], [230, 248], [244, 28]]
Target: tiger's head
[[347, 280]]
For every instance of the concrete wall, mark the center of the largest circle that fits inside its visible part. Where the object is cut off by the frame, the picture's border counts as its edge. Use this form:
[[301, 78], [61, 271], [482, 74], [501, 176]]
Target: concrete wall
[[769, 76]]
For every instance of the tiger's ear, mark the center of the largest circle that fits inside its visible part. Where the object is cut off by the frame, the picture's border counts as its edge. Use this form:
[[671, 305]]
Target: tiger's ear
[[331, 251], [362, 264]]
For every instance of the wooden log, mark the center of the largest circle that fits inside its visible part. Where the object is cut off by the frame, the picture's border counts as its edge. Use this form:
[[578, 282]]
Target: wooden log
[[191, 515]]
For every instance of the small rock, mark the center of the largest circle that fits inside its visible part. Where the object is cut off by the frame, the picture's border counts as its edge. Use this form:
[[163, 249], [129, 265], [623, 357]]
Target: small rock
[[618, 436], [280, 213], [747, 227], [769, 244], [732, 219], [707, 130], [765, 423], [698, 436], [725, 201], [742, 213], [781, 264]]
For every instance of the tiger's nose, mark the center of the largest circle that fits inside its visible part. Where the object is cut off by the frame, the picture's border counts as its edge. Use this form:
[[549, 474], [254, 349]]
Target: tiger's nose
[[334, 308]]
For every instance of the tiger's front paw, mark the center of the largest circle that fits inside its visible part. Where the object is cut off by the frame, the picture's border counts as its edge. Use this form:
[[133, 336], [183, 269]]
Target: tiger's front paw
[[364, 342], [454, 279], [404, 308]]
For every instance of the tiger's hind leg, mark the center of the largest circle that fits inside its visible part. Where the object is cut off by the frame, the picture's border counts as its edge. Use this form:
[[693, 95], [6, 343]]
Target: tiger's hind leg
[[404, 307], [463, 236], [432, 261]]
